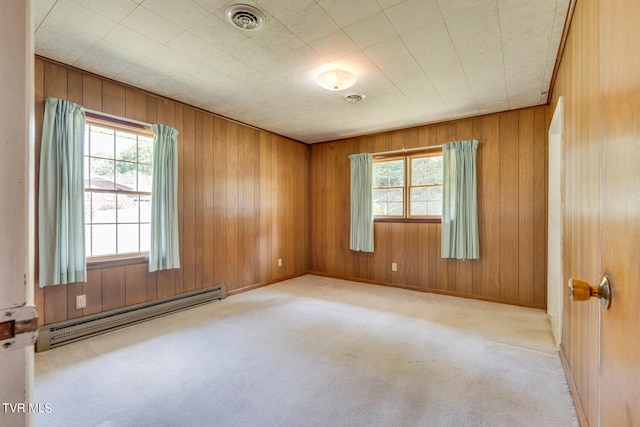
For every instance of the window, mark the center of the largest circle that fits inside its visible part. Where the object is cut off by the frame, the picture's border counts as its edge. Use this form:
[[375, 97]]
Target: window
[[117, 169], [408, 186]]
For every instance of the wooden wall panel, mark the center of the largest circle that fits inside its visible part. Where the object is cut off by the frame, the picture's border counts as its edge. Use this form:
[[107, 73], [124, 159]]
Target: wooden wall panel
[[92, 288], [489, 205], [91, 92], [135, 284], [114, 99], [512, 196], [509, 209], [74, 84], [525, 207], [73, 289], [242, 200], [135, 105], [540, 187], [178, 274], [113, 288], [208, 236], [189, 231]]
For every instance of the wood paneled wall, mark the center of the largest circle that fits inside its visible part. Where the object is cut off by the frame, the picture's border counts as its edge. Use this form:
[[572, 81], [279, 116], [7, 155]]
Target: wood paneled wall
[[242, 200], [578, 82], [512, 198]]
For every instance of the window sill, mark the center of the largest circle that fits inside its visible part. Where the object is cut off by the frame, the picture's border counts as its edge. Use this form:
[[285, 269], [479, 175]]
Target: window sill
[[97, 263], [410, 220]]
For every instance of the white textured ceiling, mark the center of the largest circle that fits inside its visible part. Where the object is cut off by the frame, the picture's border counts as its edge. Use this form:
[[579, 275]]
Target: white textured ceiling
[[417, 61]]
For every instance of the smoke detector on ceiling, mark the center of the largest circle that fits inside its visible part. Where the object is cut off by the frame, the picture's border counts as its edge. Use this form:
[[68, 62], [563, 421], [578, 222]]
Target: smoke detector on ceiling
[[245, 17], [354, 97]]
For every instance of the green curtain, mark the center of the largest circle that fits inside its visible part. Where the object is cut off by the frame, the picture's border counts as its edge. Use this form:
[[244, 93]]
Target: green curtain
[[459, 201], [61, 195], [164, 252], [361, 203]]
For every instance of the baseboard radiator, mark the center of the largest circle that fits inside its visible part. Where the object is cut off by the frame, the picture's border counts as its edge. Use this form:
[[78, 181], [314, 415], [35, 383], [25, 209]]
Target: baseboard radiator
[[58, 334]]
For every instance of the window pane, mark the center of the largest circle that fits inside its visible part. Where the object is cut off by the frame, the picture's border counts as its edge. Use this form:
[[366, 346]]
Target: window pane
[[426, 170], [394, 209], [128, 236], [101, 174], [144, 177], [103, 208], [145, 149], [380, 198], [87, 208], [380, 175], [126, 146], [434, 208], [103, 239], [101, 142], [87, 240], [396, 173], [85, 171], [434, 193], [418, 209], [426, 201], [127, 208], [423, 194], [395, 195], [126, 174], [86, 140], [418, 194], [388, 174], [145, 237], [119, 162], [388, 202], [145, 208]]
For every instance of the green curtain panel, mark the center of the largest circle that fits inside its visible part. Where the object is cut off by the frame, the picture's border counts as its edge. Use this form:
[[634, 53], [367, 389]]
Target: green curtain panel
[[361, 203], [164, 252], [459, 201], [61, 195]]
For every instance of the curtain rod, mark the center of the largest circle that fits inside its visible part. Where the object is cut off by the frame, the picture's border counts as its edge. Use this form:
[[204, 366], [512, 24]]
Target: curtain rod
[[409, 150], [118, 119]]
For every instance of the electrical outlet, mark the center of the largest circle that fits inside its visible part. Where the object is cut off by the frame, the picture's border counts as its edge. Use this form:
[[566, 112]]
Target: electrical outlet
[[394, 266], [81, 301], [279, 262]]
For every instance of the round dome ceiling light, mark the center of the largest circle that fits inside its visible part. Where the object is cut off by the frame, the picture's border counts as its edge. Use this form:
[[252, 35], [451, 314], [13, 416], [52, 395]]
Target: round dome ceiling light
[[245, 17], [336, 79]]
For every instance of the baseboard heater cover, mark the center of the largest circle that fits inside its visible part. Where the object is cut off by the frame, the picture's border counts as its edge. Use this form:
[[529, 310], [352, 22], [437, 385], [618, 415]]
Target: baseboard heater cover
[[58, 334]]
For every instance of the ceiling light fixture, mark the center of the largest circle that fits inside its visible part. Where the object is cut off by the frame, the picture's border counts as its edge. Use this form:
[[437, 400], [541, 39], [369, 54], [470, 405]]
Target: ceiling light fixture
[[336, 79]]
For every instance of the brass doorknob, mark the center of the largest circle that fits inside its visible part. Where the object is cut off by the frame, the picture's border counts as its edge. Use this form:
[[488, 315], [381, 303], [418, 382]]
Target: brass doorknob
[[579, 290]]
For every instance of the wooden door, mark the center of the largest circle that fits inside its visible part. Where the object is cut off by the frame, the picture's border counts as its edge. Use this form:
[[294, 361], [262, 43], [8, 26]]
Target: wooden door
[[620, 212], [16, 178]]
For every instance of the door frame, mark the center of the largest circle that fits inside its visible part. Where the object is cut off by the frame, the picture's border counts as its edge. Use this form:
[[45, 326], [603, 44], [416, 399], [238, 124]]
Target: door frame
[[555, 289]]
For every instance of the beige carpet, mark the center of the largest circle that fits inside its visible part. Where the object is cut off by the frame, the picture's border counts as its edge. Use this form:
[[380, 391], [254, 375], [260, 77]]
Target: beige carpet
[[314, 351]]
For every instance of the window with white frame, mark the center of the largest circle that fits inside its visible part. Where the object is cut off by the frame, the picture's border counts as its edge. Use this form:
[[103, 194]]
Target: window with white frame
[[408, 186], [118, 174]]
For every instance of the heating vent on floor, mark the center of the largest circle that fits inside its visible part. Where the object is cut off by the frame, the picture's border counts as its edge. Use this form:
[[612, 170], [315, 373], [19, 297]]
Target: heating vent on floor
[[57, 334]]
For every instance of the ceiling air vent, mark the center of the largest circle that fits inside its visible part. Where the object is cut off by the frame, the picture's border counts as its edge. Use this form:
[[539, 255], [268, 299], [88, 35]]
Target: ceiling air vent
[[354, 97], [245, 17]]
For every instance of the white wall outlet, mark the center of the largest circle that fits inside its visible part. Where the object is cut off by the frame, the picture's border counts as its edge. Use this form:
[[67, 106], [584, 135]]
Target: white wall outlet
[[81, 301], [279, 262], [394, 266]]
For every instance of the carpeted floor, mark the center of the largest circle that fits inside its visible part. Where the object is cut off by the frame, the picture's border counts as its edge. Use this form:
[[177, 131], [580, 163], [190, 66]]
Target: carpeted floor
[[314, 351]]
